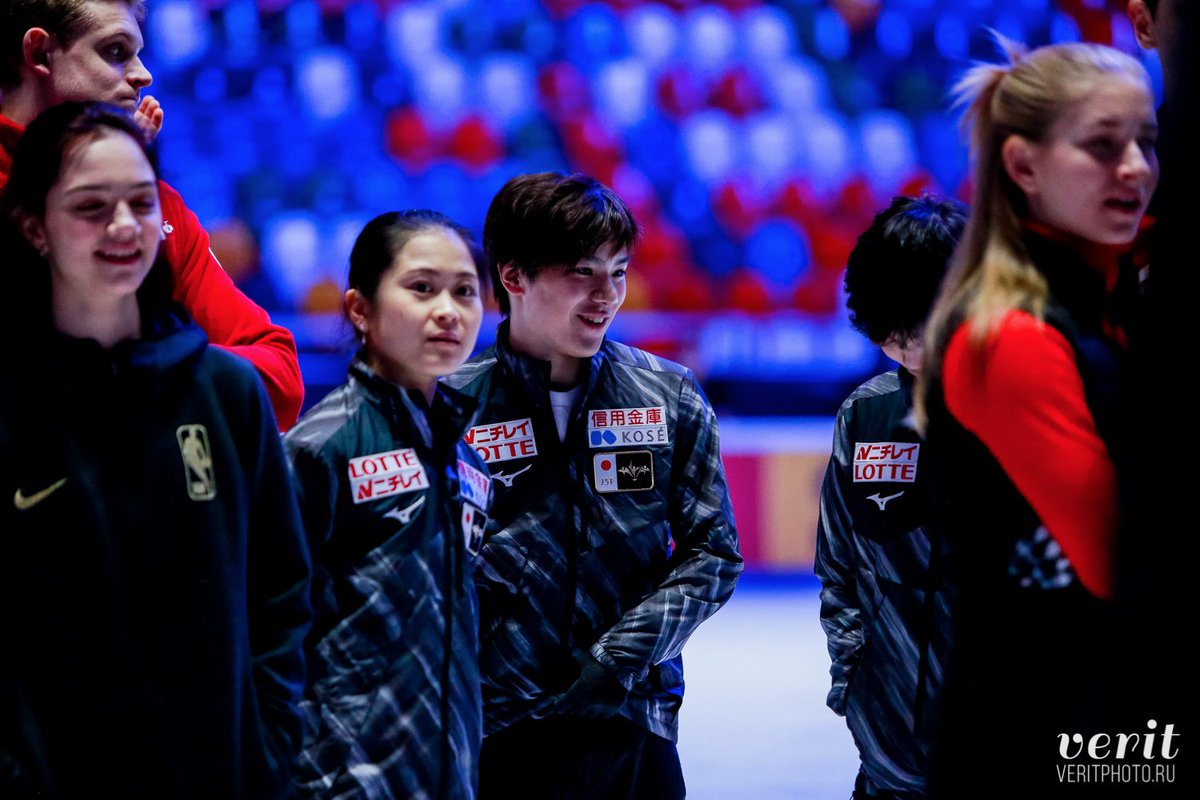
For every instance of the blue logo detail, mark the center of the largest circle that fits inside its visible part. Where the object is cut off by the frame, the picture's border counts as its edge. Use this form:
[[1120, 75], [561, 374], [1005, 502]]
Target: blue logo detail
[[610, 437], [595, 438]]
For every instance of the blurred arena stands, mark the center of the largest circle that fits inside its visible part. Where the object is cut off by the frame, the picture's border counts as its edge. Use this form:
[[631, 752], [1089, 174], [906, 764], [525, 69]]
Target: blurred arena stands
[[754, 141]]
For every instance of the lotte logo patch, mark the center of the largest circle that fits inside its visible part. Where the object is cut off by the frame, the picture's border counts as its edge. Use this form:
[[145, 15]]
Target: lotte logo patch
[[885, 462], [626, 471]]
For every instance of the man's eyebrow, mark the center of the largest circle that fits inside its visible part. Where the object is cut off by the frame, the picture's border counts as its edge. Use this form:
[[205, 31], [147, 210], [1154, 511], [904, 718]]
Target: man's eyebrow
[[104, 187]]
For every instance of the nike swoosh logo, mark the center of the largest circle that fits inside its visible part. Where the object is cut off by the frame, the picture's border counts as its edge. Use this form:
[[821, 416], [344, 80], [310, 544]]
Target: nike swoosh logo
[[24, 503], [883, 501], [507, 480], [405, 515]]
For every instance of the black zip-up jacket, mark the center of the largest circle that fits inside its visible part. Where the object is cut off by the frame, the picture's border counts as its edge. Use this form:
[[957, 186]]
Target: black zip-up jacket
[[1034, 651], [395, 506], [883, 606], [616, 543], [154, 576]]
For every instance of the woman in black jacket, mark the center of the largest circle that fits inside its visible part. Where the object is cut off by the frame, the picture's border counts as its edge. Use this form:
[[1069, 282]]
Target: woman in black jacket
[[395, 504], [154, 576]]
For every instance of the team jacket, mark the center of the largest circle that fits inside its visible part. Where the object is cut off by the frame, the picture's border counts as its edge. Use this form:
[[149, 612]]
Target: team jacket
[[395, 505], [154, 577], [231, 320], [882, 606], [618, 542]]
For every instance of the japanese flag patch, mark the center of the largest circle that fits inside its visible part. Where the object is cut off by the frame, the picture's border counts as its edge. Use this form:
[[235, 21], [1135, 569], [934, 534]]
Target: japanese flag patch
[[625, 471], [886, 462], [382, 475], [474, 523]]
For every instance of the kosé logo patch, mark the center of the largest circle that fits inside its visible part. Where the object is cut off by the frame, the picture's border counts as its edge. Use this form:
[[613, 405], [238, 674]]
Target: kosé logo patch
[[885, 462], [473, 485], [621, 427], [627, 471], [197, 461], [382, 475], [503, 441]]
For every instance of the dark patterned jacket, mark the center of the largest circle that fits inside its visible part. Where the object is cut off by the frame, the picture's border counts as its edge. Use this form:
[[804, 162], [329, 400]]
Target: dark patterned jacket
[[888, 635], [617, 542], [395, 506]]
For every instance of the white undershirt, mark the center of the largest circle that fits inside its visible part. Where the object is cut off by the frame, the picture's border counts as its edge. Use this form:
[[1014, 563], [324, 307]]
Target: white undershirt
[[563, 404]]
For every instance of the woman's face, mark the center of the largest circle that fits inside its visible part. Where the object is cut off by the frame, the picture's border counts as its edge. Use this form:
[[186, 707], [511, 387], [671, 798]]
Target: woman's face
[[100, 231], [426, 313], [1094, 173]]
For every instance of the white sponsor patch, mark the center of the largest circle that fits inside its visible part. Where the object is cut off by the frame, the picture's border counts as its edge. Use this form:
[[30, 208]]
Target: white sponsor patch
[[473, 484], [620, 427], [503, 441], [885, 462], [382, 475]]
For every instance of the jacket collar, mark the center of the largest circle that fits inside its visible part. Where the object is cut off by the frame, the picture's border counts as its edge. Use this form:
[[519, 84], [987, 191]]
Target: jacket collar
[[445, 420], [534, 374], [10, 134]]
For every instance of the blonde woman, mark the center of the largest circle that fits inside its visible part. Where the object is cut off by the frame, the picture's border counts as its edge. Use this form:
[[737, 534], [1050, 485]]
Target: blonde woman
[[1022, 392]]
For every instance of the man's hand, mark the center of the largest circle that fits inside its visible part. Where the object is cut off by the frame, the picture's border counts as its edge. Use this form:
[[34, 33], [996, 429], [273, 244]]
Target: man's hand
[[149, 117], [596, 693]]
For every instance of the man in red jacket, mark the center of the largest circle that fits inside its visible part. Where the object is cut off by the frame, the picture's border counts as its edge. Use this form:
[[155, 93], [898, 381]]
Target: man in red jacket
[[52, 51]]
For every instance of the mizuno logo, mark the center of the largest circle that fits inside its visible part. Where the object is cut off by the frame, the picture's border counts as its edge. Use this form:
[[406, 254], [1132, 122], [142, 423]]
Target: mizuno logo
[[405, 515], [883, 501], [507, 480], [24, 503]]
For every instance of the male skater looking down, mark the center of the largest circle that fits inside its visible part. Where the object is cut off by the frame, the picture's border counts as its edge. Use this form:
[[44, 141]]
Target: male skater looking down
[[612, 536], [882, 607], [52, 51]]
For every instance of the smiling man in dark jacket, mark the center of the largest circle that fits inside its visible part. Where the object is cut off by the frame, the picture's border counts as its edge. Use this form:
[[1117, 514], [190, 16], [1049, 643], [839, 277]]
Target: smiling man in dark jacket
[[612, 536]]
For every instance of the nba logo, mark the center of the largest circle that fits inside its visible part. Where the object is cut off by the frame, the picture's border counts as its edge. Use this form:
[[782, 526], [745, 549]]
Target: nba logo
[[197, 461]]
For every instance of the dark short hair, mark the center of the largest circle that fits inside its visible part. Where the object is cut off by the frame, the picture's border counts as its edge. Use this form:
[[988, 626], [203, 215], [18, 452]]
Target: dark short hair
[[65, 20], [384, 237], [894, 272], [1153, 6], [36, 167], [552, 219]]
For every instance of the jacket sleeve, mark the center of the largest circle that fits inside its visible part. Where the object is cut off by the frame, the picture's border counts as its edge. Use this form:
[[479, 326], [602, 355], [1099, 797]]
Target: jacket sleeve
[[836, 566], [231, 320], [278, 575], [705, 564]]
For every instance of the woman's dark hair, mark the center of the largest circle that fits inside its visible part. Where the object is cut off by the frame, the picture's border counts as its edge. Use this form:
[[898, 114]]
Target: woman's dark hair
[[550, 219], [894, 272], [385, 236], [36, 167]]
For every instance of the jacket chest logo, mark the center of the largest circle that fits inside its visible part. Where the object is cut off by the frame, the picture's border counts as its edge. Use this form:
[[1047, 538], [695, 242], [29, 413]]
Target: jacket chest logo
[[473, 484], [197, 461], [503, 441], [382, 475], [622, 427], [624, 471], [886, 462]]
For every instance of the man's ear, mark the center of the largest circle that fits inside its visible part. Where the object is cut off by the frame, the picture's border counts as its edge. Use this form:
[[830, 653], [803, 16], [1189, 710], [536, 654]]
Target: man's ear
[[512, 279], [35, 51], [1017, 154], [1143, 23], [358, 309]]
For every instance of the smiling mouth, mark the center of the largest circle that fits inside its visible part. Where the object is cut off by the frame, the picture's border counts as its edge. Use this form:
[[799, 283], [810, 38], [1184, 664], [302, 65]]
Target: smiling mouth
[[1122, 204], [124, 259], [593, 320]]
